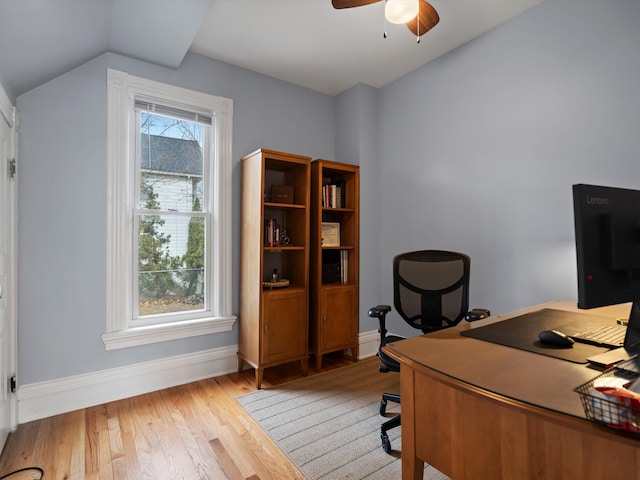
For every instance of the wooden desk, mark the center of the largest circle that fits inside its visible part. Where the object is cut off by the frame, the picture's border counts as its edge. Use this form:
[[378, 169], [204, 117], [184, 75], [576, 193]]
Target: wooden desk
[[478, 410]]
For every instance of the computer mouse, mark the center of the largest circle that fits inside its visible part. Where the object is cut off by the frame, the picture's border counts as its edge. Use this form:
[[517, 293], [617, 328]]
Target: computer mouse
[[555, 337]]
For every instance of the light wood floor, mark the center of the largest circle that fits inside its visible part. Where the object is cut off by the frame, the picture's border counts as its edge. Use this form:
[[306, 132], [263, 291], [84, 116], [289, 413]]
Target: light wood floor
[[191, 432]]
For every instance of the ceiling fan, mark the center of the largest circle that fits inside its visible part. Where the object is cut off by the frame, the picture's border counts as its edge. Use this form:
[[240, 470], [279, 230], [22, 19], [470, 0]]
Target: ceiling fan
[[418, 15]]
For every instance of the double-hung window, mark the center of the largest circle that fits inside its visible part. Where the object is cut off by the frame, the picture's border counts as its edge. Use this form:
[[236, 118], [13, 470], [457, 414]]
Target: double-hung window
[[168, 212]]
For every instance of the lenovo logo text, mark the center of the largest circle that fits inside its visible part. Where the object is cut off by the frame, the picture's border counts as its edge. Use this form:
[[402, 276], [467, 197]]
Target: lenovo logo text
[[597, 200]]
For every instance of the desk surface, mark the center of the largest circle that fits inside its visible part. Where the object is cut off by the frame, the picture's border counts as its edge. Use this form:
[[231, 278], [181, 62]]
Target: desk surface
[[517, 374], [475, 409]]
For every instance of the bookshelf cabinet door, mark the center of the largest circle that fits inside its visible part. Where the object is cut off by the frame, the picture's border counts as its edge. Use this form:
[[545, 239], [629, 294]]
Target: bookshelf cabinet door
[[337, 327], [284, 325]]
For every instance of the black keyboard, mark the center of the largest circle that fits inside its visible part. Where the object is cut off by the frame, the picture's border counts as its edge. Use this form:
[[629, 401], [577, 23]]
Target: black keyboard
[[611, 336]]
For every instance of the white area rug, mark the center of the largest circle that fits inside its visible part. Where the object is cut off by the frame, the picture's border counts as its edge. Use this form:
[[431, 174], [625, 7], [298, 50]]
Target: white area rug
[[329, 424]]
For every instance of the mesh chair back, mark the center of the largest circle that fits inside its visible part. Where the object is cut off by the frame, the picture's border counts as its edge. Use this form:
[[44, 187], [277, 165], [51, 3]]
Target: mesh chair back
[[431, 288]]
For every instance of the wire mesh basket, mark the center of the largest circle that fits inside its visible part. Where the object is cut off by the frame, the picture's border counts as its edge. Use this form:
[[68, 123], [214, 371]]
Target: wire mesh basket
[[609, 410]]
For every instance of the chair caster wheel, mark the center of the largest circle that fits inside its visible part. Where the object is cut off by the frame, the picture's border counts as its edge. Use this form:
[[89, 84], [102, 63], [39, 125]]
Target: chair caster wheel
[[386, 444], [383, 407]]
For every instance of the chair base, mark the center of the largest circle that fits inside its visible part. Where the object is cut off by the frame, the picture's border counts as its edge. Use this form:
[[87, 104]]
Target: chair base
[[389, 424]]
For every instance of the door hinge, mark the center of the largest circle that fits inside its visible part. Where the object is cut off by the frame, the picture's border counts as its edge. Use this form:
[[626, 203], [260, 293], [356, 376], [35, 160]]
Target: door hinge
[[11, 168], [12, 384]]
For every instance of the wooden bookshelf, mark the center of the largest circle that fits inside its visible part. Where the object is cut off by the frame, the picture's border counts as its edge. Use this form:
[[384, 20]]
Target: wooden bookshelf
[[333, 296], [273, 320]]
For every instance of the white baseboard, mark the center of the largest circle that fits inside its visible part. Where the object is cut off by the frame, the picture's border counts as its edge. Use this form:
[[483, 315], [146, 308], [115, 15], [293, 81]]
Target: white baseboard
[[369, 343], [61, 395]]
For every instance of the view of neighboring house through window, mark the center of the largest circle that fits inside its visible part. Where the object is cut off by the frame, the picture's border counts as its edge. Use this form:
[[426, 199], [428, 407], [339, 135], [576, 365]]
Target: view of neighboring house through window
[[172, 222], [169, 176]]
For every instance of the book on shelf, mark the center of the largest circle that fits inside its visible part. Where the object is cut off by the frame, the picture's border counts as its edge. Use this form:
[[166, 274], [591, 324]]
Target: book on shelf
[[271, 233], [333, 195], [344, 266], [335, 266]]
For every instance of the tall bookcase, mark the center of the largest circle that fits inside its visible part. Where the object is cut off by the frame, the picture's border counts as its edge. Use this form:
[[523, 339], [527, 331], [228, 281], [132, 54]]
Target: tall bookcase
[[274, 261], [335, 220]]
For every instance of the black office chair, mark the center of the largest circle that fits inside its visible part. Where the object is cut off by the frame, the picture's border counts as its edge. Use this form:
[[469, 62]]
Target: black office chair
[[430, 292]]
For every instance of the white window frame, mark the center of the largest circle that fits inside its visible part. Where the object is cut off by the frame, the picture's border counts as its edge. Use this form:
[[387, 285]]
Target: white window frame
[[122, 90]]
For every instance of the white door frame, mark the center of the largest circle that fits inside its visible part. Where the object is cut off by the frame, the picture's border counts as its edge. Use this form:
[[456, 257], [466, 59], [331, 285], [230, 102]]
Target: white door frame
[[9, 115]]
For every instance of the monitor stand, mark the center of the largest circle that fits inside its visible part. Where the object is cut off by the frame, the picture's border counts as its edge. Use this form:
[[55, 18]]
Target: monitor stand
[[632, 338]]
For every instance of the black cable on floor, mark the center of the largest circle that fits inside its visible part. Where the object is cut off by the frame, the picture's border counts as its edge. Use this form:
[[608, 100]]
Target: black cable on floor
[[37, 469]]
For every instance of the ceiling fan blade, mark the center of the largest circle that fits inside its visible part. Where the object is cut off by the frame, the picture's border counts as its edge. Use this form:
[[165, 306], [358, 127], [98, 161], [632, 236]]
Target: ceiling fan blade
[[351, 3], [428, 16]]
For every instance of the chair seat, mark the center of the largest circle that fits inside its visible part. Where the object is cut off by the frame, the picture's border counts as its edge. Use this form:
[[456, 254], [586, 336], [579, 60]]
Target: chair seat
[[388, 363], [392, 338]]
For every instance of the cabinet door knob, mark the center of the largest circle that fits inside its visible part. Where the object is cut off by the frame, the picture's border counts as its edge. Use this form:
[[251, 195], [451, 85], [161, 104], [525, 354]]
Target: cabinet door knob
[[266, 328], [324, 319]]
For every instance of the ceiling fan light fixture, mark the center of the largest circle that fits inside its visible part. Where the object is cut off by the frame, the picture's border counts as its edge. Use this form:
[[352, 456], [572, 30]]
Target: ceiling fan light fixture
[[401, 11]]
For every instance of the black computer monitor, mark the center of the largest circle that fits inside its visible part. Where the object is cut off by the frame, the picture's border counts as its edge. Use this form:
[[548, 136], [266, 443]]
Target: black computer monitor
[[607, 230]]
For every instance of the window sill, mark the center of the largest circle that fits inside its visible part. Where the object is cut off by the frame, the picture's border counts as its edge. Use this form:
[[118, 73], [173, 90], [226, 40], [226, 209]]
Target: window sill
[[133, 337]]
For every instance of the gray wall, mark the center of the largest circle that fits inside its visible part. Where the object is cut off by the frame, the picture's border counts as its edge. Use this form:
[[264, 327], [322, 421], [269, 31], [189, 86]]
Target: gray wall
[[62, 200], [479, 149], [476, 151], [357, 143]]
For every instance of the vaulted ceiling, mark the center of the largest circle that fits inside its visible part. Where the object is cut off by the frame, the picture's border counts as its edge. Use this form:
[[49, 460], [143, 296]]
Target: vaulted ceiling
[[305, 42]]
